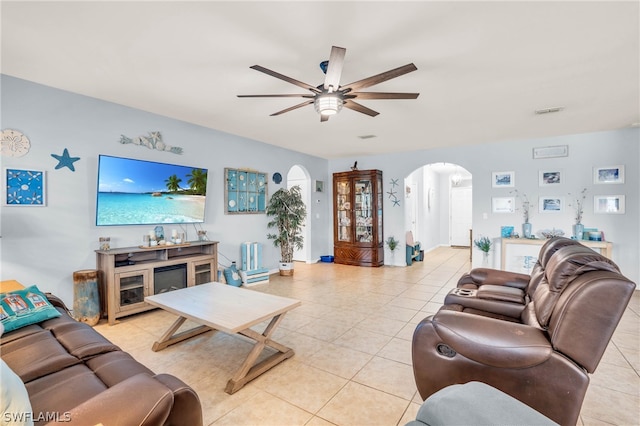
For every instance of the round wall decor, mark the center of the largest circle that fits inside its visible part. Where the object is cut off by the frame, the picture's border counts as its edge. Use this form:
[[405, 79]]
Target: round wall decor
[[14, 143], [277, 177]]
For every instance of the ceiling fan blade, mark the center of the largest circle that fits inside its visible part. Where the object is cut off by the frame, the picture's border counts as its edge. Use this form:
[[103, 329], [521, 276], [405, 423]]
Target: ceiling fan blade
[[380, 95], [334, 71], [278, 96], [379, 78], [292, 108], [285, 78], [348, 103]]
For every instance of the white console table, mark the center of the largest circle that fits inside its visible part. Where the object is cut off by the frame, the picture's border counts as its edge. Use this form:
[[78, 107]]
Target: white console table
[[520, 254]]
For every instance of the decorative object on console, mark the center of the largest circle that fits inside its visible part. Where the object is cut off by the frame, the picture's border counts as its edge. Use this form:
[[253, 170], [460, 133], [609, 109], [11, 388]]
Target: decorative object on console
[[65, 160], [24, 188], [550, 233], [578, 206], [525, 206], [152, 141], [507, 231], [287, 212], [14, 143], [245, 191]]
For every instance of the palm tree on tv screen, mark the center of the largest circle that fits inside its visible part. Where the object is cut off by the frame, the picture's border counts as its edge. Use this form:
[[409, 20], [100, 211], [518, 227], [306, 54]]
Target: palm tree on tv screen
[[173, 183], [198, 181]]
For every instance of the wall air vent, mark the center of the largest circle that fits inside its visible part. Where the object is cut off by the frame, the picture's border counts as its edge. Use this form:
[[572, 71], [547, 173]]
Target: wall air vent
[[367, 136]]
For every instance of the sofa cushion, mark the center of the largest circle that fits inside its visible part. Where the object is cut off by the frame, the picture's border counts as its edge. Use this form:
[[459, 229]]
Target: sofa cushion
[[78, 338], [24, 307], [35, 355], [63, 390], [114, 367]]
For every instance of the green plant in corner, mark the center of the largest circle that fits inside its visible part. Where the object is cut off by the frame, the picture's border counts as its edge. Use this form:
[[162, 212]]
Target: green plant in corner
[[483, 243], [288, 212], [392, 243]]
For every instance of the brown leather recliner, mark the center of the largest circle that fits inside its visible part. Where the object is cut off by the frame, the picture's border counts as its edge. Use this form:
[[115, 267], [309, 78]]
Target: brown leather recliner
[[542, 358], [504, 294]]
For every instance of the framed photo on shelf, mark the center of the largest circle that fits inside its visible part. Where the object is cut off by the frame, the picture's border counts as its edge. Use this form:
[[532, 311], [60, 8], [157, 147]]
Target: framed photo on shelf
[[550, 177], [503, 179], [551, 204], [503, 204], [610, 174], [612, 204], [24, 188]]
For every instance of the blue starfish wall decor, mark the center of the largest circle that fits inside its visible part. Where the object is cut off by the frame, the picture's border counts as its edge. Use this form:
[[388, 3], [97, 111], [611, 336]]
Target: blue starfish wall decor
[[65, 160]]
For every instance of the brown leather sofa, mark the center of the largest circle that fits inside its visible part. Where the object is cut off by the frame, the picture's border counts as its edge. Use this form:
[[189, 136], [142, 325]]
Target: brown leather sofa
[[73, 375], [543, 354]]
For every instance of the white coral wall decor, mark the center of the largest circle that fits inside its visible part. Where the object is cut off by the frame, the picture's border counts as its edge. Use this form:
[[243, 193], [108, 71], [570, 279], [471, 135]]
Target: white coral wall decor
[[153, 140]]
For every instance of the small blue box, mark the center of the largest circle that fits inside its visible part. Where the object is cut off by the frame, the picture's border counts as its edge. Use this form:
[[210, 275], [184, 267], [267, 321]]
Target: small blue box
[[326, 259]]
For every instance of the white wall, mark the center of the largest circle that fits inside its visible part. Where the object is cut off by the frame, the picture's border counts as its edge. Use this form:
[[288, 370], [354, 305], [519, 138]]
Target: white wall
[[45, 245], [586, 151]]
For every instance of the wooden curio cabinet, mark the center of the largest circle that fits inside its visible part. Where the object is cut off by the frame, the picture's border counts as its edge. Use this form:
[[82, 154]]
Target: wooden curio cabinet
[[357, 215]]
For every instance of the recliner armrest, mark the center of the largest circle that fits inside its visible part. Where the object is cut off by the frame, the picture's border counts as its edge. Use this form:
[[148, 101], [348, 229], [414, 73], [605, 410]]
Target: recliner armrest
[[482, 276], [493, 342], [138, 400]]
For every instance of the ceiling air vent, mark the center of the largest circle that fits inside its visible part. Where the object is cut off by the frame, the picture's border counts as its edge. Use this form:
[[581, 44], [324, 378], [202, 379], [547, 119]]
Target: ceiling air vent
[[548, 110], [367, 136]]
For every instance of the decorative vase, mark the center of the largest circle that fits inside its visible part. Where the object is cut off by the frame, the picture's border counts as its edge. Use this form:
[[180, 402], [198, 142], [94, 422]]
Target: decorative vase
[[578, 231], [232, 276], [526, 230], [485, 259]]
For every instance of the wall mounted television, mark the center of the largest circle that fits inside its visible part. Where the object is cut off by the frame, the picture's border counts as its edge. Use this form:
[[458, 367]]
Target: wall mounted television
[[139, 192]]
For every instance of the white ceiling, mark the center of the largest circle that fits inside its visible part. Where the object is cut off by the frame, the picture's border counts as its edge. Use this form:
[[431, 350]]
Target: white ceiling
[[483, 67]]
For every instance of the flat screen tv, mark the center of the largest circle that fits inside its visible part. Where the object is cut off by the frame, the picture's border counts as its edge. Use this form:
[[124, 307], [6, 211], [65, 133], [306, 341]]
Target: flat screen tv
[[138, 192]]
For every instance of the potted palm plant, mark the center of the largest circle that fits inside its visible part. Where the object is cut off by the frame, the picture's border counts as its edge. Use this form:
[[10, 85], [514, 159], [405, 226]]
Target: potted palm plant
[[288, 212]]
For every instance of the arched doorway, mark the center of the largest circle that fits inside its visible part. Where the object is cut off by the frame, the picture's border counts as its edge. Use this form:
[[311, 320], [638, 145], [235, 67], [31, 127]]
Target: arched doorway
[[439, 205], [298, 175]]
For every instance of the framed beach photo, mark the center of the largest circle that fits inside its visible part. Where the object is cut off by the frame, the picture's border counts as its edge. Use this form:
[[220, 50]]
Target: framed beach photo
[[503, 204], [24, 188], [608, 204], [551, 204], [503, 179], [610, 174], [549, 177]]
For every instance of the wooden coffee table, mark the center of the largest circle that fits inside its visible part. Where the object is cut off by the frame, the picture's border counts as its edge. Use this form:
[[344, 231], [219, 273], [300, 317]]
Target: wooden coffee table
[[233, 310]]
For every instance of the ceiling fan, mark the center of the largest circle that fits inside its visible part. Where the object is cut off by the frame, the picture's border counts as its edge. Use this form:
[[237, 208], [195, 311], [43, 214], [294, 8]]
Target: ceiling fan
[[330, 97]]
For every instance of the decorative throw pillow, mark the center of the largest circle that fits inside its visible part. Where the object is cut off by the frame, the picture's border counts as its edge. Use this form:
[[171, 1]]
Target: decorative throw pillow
[[24, 307]]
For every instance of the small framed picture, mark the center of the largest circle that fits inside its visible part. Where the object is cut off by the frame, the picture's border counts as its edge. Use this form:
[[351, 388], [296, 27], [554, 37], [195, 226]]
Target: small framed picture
[[551, 204], [503, 179], [550, 177], [503, 204], [319, 186], [24, 188], [610, 174], [613, 204]]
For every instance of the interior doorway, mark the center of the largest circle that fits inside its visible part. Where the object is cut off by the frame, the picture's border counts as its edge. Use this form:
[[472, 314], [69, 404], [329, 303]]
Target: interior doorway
[[298, 175], [440, 213]]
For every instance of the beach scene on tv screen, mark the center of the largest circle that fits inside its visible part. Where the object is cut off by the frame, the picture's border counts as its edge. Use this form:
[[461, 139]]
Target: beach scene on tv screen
[[137, 192]]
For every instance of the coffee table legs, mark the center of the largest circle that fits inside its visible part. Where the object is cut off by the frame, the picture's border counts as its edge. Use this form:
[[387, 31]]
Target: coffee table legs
[[248, 371], [169, 338]]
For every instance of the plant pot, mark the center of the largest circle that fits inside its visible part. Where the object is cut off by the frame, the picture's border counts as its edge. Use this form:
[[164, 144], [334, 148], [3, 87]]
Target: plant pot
[[286, 268], [526, 230], [485, 259]]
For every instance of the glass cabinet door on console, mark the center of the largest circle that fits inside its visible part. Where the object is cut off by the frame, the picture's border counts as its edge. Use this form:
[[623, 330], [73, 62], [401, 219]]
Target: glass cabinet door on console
[[358, 218], [132, 288]]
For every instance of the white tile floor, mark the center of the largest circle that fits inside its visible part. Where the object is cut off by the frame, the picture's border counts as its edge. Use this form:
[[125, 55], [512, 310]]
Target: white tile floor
[[352, 337]]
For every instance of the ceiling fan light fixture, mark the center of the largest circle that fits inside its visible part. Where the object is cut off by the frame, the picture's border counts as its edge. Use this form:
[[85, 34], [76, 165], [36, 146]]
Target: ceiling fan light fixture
[[328, 103]]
